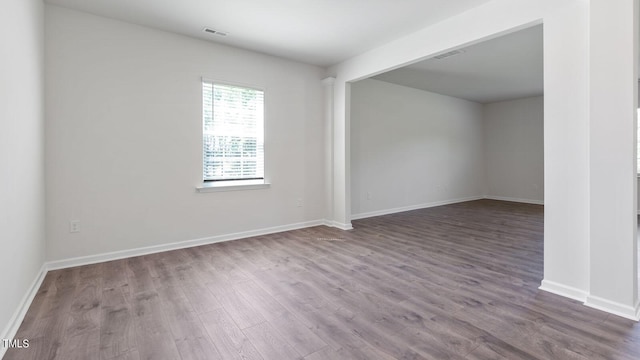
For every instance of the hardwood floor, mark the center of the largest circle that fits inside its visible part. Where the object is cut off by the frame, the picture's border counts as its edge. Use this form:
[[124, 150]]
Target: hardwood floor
[[452, 282]]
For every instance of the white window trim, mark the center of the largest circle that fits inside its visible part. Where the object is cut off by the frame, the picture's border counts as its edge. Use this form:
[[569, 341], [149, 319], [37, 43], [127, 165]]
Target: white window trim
[[232, 185]]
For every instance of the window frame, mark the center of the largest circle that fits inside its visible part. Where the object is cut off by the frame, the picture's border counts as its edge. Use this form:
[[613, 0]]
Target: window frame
[[212, 185]]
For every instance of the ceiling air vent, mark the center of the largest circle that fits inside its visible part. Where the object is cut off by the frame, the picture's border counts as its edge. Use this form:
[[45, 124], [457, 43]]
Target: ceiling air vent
[[214, 32], [448, 54]]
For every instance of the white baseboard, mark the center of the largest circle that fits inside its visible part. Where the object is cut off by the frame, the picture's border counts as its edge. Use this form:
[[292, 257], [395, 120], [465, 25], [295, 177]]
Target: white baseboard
[[339, 225], [625, 311], [16, 320], [611, 307], [412, 207], [563, 290], [123, 254], [506, 198]]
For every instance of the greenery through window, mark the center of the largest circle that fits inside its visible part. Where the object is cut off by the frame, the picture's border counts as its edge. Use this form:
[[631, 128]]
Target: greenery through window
[[233, 132]]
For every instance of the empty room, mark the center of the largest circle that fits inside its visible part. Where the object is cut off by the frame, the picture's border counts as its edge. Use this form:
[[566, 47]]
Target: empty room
[[319, 180]]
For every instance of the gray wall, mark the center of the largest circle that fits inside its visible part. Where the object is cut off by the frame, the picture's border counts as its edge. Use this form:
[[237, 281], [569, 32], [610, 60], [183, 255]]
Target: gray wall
[[412, 148], [514, 149]]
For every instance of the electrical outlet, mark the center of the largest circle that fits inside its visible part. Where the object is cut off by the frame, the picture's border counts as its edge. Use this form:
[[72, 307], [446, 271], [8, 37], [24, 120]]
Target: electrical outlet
[[299, 202], [74, 226]]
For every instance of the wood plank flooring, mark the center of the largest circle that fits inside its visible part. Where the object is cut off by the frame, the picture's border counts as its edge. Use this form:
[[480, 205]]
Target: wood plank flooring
[[451, 282]]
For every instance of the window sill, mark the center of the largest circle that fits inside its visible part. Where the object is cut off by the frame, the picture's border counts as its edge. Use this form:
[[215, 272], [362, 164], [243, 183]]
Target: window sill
[[233, 185]]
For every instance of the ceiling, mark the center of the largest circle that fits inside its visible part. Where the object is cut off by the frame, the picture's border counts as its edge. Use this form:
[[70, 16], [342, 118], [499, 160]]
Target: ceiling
[[504, 68], [320, 32]]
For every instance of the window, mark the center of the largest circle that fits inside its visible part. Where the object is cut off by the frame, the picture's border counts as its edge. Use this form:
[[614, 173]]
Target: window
[[233, 132]]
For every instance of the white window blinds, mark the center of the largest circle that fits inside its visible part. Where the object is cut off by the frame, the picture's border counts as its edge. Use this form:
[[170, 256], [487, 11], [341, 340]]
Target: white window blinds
[[233, 132]]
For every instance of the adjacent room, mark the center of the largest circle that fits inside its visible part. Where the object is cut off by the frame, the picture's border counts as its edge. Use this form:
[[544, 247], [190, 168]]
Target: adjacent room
[[319, 179], [463, 125]]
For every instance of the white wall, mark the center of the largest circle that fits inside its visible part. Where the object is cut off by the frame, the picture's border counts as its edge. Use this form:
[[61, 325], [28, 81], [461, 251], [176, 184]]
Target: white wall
[[412, 148], [514, 149], [566, 131], [124, 137], [613, 85], [21, 154]]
